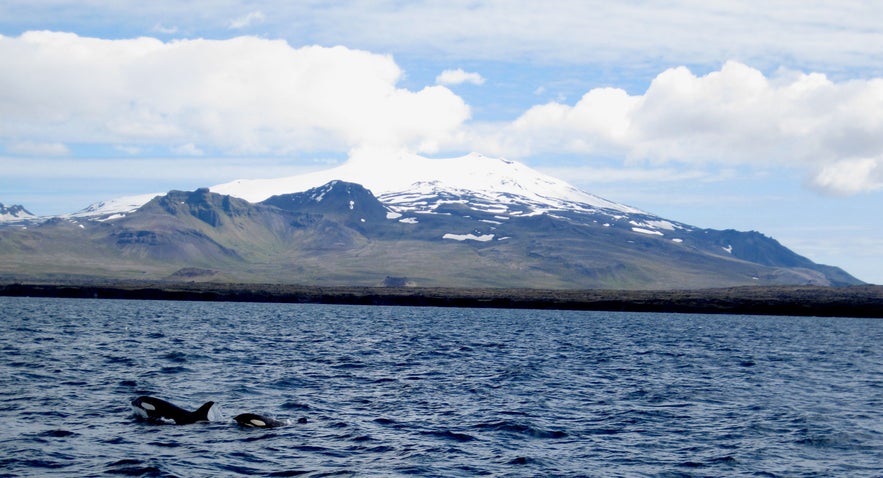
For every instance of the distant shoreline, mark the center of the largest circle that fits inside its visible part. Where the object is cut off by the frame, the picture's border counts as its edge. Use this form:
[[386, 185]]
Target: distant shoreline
[[854, 301]]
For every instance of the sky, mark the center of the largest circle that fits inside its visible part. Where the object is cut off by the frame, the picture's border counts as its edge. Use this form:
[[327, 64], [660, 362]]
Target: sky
[[720, 114]]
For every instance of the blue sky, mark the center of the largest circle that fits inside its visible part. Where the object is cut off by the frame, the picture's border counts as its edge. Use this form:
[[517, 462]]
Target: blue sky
[[725, 114]]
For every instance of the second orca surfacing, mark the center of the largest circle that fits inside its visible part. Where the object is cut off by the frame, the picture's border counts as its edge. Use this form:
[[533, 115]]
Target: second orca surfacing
[[257, 421], [155, 409]]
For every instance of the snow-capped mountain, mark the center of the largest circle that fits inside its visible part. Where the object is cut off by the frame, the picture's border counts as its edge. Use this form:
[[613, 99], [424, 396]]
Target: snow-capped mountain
[[470, 221], [410, 185], [408, 182], [15, 213]]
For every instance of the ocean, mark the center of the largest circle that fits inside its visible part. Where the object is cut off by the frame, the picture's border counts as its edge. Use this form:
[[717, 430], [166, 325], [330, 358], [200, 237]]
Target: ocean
[[406, 391]]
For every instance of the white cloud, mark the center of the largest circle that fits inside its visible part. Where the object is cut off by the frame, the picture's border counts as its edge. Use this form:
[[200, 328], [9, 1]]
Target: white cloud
[[819, 34], [596, 175], [850, 177], [190, 171], [822, 35], [160, 28], [188, 149], [130, 150], [248, 20], [30, 148], [244, 95], [458, 76], [735, 115]]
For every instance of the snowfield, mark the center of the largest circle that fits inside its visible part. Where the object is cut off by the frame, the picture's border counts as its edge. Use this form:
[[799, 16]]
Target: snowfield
[[469, 237]]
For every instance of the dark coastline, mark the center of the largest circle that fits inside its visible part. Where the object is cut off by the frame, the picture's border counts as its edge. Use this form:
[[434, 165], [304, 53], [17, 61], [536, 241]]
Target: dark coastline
[[855, 301]]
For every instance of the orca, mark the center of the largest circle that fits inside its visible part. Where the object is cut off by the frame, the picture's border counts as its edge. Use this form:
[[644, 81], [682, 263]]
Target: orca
[[257, 421], [155, 409]]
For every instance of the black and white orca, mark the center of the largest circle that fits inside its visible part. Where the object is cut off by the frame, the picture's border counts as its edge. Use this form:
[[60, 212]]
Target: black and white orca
[[257, 421], [156, 409]]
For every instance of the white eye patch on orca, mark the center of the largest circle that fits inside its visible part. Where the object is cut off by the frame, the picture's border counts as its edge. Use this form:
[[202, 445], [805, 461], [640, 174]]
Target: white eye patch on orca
[[258, 423], [148, 406]]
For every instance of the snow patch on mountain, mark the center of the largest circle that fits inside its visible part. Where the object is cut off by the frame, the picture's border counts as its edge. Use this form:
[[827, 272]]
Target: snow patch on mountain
[[647, 231], [469, 237]]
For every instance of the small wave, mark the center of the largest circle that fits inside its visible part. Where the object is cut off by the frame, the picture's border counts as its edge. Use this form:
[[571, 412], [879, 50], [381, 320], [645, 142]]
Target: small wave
[[262, 436], [176, 357], [163, 444], [288, 473], [841, 441], [173, 370], [449, 435], [415, 470], [723, 459], [28, 365], [241, 470], [380, 449], [520, 429], [349, 366], [287, 383], [295, 406], [522, 460], [57, 434], [118, 359], [133, 467]]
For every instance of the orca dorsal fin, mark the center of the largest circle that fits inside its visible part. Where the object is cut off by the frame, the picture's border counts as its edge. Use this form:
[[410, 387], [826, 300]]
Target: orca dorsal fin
[[201, 414]]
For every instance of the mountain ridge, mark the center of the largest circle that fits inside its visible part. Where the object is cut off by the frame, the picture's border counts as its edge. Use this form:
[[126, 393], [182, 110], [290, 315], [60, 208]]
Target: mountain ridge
[[443, 226], [340, 234]]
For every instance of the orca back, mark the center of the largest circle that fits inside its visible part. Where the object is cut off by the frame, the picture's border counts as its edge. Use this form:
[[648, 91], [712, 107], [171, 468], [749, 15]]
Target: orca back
[[156, 409]]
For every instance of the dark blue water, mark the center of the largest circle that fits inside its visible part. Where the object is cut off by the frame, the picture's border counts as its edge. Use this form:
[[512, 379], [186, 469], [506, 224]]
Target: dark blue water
[[436, 392]]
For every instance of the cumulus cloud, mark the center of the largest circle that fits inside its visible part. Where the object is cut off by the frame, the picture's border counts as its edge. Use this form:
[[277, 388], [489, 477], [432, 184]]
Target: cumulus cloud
[[253, 96], [244, 95], [458, 76], [735, 115]]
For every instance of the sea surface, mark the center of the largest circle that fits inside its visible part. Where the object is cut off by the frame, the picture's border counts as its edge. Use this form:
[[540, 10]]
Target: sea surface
[[397, 391]]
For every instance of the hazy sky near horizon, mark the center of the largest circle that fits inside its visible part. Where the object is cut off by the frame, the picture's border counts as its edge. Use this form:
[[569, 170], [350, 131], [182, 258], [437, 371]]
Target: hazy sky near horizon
[[719, 114]]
